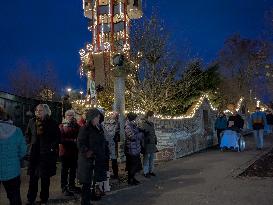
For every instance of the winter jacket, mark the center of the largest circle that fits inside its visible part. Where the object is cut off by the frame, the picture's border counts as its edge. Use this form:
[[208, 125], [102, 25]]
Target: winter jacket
[[91, 138], [269, 119], [133, 139], [69, 135], [221, 123], [150, 139], [111, 132], [43, 147], [258, 120], [12, 150], [238, 121]]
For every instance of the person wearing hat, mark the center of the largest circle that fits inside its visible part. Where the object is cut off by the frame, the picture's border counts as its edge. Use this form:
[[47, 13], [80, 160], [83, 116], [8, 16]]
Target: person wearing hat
[[258, 123], [91, 149], [12, 150]]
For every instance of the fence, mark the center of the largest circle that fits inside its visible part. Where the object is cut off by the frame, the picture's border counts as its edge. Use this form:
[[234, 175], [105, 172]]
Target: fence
[[21, 109]]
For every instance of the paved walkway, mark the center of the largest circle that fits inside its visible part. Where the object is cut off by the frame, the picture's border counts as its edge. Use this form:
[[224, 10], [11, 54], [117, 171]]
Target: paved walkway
[[204, 178], [209, 177]]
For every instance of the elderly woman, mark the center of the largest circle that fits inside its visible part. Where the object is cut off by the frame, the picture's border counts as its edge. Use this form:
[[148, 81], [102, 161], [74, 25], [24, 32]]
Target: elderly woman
[[133, 141], [12, 150], [43, 135], [112, 134], [91, 145], [68, 152]]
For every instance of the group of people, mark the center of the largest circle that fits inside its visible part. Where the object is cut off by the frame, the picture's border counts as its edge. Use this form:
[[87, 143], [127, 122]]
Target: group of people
[[258, 121], [84, 149], [140, 138]]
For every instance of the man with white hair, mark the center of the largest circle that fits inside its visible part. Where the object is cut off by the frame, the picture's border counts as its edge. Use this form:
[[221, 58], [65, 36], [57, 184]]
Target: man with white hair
[[43, 135], [68, 153]]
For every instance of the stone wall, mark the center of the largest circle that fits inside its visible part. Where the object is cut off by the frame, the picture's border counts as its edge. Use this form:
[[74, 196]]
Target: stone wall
[[181, 137]]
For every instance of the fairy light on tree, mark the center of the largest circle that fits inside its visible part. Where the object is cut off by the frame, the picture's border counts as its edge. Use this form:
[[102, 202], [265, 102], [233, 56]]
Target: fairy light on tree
[[109, 24]]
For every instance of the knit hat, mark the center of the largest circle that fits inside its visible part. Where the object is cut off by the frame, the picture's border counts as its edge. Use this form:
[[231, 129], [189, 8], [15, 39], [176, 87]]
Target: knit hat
[[131, 116], [91, 114]]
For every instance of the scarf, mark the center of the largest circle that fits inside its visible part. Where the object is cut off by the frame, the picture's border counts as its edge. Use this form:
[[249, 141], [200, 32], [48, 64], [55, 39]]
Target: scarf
[[39, 127]]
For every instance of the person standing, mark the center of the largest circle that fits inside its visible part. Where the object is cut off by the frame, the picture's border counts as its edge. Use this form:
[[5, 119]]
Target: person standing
[[133, 141], [258, 122], [43, 135], [269, 119], [111, 127], [12, 150], [91, 148], [237, 120], [150, 142], [102, 174], [220, 125], [68, 153]]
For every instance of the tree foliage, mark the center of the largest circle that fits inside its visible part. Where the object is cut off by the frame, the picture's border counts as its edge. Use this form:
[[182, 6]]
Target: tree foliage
[[25, 82], [151, 84], [195, 81], [243, 65], [158, 83]]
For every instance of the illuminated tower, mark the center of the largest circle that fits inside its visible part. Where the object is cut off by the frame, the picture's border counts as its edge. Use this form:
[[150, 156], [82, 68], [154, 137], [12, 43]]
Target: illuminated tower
[[109, 22]]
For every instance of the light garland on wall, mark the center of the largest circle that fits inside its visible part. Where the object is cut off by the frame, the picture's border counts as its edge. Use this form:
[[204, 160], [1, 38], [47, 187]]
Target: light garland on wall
[[162, 117]]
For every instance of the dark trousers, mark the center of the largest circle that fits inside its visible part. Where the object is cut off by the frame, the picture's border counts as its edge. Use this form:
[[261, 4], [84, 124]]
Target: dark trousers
[[86, 194], [69, 167], [33, 188], [12, 188], [219, 135], [133, 165], [115, 167]]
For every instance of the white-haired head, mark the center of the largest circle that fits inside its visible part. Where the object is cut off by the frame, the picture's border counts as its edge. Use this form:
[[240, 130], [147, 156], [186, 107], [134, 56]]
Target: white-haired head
[[70, 113], [42, 110]]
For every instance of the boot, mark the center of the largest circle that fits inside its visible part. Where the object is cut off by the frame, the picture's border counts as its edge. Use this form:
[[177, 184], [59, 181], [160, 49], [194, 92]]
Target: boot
[[66, 192], [75, 189]]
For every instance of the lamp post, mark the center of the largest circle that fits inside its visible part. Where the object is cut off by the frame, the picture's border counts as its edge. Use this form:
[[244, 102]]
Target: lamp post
[[69, 91], [119, 98]]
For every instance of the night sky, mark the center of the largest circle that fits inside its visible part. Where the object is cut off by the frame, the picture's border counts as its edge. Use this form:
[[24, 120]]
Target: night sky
[[50, 31]]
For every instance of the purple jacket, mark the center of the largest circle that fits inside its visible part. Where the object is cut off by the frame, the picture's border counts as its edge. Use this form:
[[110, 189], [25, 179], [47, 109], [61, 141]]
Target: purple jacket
[[133, 139]]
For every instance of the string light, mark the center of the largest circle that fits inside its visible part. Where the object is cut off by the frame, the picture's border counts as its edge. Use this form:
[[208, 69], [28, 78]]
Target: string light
[[238, 107], [82, 52], [89, 47], [101, 37], [258, 103], [193, 109]]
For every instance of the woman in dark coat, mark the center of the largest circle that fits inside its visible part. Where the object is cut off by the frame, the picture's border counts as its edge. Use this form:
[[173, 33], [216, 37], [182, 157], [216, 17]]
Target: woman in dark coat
[[133, 141], [43, 135], [91, 145]]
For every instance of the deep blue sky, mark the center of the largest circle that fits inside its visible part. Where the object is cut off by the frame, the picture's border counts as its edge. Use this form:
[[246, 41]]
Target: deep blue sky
[[50, 31]]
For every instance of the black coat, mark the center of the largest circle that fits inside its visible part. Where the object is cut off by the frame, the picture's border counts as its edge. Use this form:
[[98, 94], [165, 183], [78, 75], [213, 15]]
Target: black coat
[[91, 139], [269, 119], [150, 139], [43, 149], [238, 121]]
